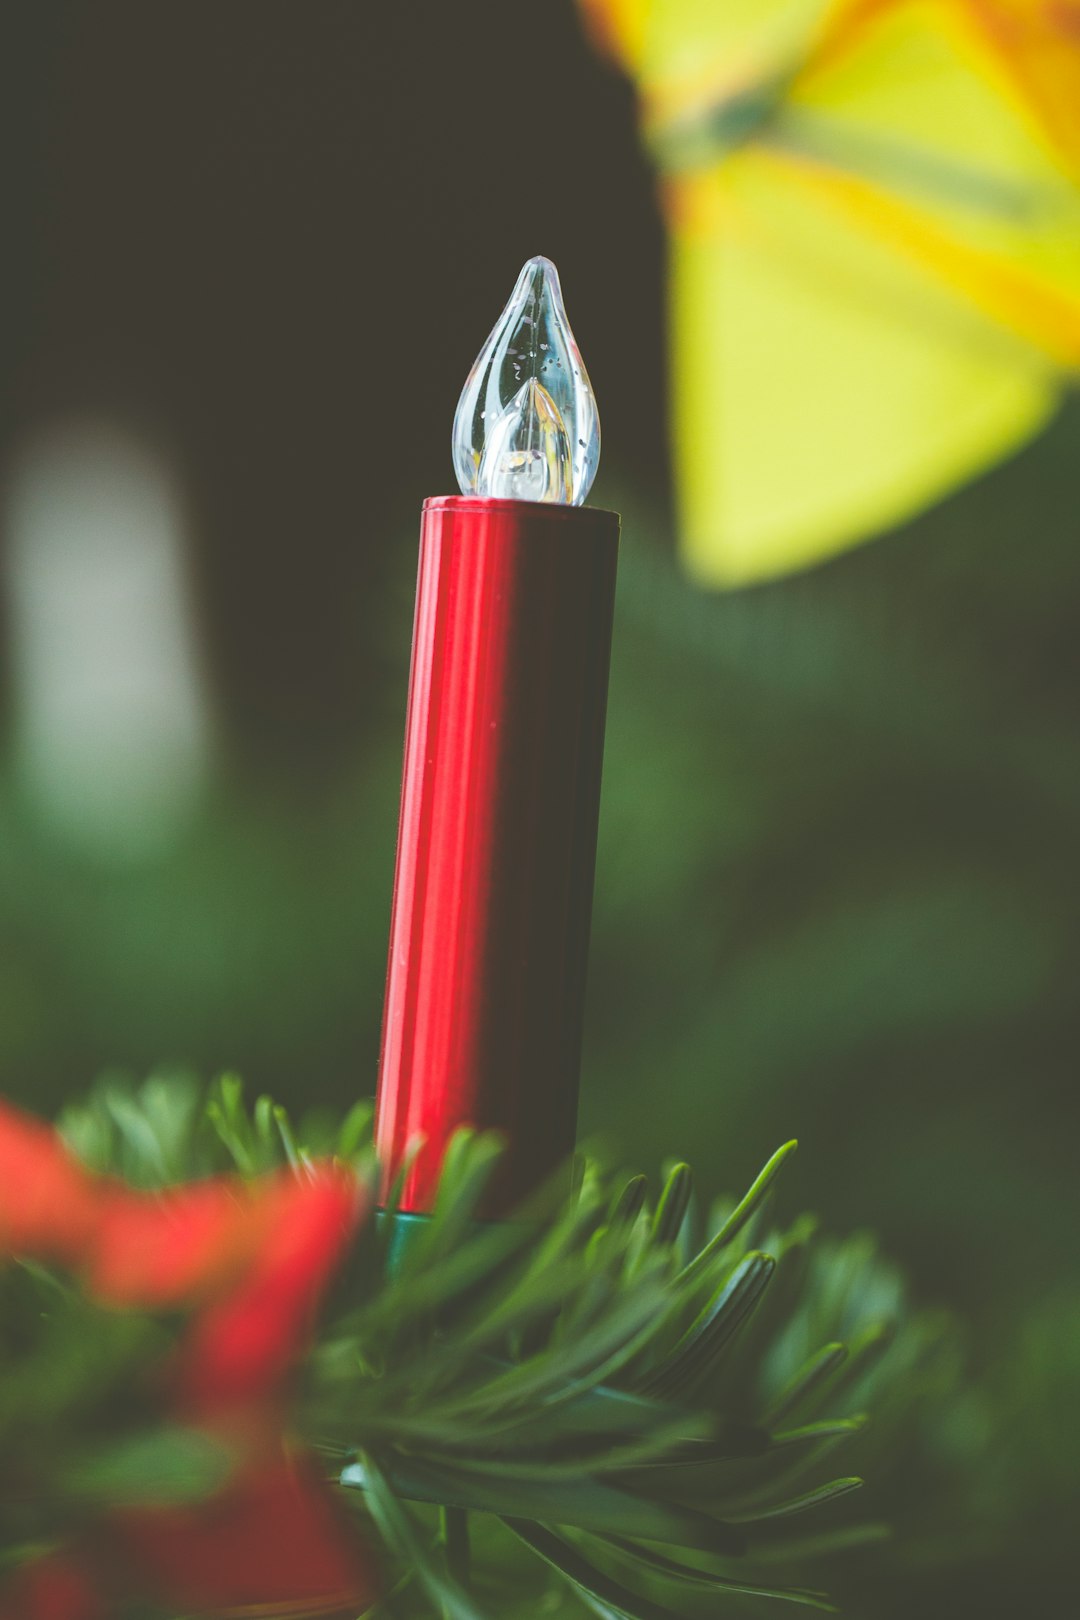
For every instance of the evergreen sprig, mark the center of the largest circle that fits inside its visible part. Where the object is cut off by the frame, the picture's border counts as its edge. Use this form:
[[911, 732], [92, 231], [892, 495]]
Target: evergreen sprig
[[609, 1401]]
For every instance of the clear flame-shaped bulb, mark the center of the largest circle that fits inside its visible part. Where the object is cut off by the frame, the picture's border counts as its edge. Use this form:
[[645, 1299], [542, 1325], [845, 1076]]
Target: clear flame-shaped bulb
[[526, 427]]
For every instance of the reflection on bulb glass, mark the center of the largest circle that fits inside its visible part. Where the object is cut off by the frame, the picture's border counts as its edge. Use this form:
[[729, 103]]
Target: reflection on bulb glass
[[526, 427]]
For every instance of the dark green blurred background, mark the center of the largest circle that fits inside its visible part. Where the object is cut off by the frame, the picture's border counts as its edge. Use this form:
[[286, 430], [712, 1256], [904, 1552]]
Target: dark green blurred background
[[839, 888]]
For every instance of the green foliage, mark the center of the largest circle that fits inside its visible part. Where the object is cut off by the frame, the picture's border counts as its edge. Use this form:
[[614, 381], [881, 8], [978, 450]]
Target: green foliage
[[649, 1408], [79, 1426], [649, 1405], [168, 1130]]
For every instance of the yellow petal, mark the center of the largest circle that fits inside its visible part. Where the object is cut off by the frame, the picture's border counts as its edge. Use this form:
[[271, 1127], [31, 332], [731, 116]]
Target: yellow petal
[[1033, 48], [618, 27], [878, 293], [905, 133], [822, 388], [685, 52]]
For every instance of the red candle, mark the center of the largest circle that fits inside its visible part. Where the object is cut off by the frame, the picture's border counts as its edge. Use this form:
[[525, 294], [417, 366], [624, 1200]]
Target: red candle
[[500, 797]]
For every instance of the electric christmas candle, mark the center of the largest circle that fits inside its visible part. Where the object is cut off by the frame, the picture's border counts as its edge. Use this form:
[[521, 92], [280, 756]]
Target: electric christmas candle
[[501, 785]]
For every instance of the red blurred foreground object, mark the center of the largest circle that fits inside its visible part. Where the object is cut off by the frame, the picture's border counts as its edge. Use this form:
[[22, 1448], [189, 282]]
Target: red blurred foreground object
[[249, 1262], [497, 840], [51, 1588]]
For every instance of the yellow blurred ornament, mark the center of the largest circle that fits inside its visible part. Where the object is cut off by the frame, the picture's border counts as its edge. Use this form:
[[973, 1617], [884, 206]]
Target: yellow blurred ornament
[[874, 215]]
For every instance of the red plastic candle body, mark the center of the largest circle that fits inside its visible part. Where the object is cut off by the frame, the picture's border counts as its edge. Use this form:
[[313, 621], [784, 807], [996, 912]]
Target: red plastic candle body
[[497, 839]]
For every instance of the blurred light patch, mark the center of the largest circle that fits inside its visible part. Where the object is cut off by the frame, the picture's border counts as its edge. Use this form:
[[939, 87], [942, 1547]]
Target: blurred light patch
[[112, 738]]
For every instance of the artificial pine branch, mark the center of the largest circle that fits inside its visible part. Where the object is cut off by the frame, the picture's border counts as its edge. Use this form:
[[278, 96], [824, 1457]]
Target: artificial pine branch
[[608, 1393]]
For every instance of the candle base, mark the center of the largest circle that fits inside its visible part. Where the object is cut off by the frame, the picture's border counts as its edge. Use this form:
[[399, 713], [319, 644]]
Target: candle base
[[497, 841], [399, 1233]]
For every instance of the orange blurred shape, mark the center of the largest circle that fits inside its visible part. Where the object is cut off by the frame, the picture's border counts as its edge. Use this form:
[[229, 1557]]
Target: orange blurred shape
[[249, 1261]]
